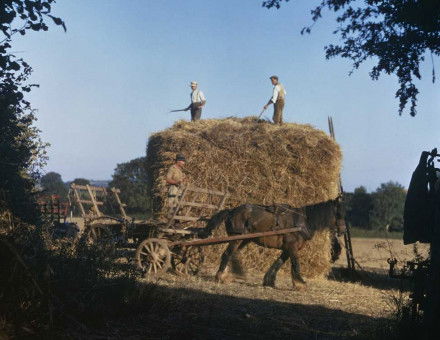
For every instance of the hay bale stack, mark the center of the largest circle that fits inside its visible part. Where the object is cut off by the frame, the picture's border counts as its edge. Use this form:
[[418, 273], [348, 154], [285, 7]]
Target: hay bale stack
[[256, 162]]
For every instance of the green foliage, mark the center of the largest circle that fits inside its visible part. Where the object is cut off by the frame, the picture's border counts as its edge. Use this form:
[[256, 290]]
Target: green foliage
[[131, 179], [397, 34], [382, 209], [54, 185], [22, 153], [388, 204], [359, 207], [374, 233], [81, 181]]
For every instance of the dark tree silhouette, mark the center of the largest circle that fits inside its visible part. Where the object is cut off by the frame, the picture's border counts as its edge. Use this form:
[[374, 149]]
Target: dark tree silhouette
[[131, 178], [53, 184], [388, 202], [399, 34], [359, 208], [81, 181], [21, 150]]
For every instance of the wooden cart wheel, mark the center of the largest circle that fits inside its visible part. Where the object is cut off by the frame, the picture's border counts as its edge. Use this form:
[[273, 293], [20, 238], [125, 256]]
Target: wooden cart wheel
[[188, 260], [153, 256], [102, 236]]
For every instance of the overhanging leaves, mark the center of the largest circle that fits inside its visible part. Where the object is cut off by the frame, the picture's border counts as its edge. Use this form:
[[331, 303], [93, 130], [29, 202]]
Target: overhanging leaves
[[396, 33]]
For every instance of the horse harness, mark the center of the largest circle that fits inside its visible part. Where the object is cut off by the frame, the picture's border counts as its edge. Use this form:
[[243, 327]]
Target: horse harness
[[280, 210]]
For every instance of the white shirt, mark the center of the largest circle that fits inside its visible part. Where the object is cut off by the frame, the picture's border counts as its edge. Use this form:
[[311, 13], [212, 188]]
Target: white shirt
[[276, 90], [197, 96]]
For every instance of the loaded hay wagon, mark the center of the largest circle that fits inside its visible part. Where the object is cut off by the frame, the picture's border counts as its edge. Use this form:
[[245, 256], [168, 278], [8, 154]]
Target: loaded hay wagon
[[257, 163], [247, 161]]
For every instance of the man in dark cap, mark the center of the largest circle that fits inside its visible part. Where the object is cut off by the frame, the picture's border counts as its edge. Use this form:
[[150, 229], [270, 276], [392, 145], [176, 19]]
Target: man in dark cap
[[277, 99], [175, 179]]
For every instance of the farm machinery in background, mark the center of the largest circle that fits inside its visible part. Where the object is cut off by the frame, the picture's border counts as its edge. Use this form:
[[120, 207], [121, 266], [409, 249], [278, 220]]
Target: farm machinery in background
[[56, 212], [53, 207]]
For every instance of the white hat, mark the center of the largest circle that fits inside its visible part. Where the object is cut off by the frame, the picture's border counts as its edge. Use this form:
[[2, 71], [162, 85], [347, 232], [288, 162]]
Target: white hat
[[193, 83]]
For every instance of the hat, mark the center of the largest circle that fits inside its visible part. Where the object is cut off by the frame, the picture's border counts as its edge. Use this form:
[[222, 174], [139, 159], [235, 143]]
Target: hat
[[273, 77], [180, 157], [194, 83]]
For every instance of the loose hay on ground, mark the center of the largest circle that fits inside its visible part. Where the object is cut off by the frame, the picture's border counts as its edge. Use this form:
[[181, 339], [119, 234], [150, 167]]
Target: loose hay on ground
[[255, 162]]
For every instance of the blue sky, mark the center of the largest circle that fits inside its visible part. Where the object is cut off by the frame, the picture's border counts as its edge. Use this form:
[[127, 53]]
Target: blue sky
[[108, 83]]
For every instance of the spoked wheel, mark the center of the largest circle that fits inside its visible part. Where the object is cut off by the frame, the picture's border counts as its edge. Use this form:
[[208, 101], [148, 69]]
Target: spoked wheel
[[153, 256], [188, 260], [102, 236]]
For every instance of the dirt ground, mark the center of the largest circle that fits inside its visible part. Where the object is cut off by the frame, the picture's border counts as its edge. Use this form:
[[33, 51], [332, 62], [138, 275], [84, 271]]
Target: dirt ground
[[338, 307]]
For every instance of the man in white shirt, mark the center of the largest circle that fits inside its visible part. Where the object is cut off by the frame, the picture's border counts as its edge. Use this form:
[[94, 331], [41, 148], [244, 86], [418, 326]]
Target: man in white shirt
[[278, 100], [198, 100]]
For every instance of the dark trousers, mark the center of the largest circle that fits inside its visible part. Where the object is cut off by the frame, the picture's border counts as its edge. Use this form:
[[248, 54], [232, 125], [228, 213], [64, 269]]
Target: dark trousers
[[196, 114], [196, 111]]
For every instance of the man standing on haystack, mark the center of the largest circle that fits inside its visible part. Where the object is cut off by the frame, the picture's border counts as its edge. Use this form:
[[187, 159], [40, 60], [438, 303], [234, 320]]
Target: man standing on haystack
[[198, 100], [175, 179], [278, 98]]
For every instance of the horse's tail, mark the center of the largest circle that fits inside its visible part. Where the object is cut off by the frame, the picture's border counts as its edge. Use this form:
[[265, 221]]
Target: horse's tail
[[214, 223]]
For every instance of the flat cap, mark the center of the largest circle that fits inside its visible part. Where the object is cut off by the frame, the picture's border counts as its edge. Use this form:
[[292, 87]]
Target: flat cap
[[180, 157]]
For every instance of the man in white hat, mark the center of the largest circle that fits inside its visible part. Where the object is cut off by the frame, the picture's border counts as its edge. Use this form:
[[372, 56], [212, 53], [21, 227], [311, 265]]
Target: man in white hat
[[277, 99], [198, 100]]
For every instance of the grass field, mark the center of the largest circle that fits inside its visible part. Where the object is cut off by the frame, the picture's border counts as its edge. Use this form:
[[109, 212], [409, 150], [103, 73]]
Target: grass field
[[365, 233]]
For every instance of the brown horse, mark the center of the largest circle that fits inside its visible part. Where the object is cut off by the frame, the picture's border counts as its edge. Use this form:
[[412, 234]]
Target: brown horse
[[249, 218]]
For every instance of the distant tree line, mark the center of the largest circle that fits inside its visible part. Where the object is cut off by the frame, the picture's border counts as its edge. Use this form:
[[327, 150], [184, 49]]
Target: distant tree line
[[381, 209], [52, 184]]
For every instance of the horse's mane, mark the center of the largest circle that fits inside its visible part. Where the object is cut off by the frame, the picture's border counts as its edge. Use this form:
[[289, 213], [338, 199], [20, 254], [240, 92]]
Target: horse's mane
[[318, 214]]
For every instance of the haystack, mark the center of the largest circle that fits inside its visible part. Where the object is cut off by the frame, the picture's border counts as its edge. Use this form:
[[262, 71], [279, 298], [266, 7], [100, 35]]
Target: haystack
[[256, 162]]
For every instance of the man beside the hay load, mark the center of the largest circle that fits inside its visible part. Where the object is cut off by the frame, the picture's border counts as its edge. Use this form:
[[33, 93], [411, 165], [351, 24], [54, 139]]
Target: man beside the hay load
[[175, 178], [198, 100], [277, 99]]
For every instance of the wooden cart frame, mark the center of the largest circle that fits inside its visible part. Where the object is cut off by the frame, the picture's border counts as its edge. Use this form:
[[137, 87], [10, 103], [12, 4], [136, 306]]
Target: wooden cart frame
[[160, 245], [100, 228]]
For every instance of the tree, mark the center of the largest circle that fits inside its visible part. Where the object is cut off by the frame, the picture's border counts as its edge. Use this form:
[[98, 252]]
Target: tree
[[388, 203], [53, 184], [22, 153], [397, 33], [359, 208], [81, 181], [131, 179]]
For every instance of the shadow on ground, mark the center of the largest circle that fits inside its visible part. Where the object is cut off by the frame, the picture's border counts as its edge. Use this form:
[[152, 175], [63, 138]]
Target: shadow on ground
[[170, 313], [372, 278]]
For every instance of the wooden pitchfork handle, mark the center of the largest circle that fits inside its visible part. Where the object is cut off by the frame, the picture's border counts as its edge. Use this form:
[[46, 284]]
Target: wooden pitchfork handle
[[261, 113]]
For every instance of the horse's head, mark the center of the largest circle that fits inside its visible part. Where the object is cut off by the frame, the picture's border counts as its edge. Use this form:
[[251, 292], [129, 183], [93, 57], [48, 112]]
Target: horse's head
[[339, 211]]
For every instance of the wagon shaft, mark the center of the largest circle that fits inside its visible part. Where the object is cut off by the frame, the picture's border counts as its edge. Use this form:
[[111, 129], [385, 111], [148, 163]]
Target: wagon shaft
[[218, 240]]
